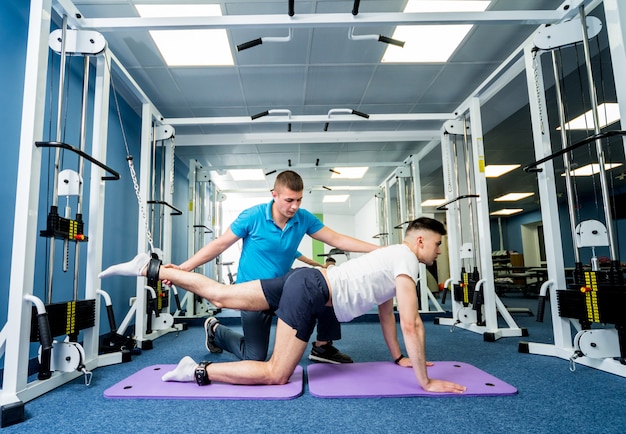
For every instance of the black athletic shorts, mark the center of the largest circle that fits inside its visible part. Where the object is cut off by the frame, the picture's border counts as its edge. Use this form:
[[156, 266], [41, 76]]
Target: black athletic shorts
[[298, 297]]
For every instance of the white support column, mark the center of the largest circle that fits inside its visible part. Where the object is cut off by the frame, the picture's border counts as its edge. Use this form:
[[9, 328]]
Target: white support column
[[142, 236], [548, 199], [492, 304], [95, 220], [417, 187], [390, 223], [168, 197], [615, 13], [482, 216], [426, 297], [26, 207], [452, 220]]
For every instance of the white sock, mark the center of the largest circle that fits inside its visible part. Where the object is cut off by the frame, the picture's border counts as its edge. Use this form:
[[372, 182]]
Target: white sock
[[134, 267], [184, 372]]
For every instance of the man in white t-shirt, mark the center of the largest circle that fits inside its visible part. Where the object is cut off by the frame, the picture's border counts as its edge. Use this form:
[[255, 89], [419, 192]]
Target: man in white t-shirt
[[351, 288]]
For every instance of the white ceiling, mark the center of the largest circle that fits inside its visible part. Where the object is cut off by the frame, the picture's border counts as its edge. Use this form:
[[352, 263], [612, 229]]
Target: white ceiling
[[318, 70]]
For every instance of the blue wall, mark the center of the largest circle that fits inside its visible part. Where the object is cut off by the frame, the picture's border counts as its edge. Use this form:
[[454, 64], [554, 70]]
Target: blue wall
[[121, 210], [512, 233], [14, 29]]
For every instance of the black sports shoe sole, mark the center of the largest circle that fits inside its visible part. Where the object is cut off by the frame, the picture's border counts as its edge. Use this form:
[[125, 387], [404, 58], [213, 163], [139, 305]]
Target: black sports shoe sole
[[208, 342]]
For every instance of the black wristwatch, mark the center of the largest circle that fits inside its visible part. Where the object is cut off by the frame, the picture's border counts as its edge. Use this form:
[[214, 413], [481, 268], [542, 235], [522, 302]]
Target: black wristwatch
[[202, 378]]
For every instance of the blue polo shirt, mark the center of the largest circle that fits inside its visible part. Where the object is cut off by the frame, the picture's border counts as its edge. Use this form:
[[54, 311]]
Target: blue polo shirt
[[268, 251]]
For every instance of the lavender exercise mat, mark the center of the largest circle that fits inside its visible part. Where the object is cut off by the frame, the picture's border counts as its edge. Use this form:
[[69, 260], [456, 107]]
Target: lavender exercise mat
[[147, 384], [385, 379]]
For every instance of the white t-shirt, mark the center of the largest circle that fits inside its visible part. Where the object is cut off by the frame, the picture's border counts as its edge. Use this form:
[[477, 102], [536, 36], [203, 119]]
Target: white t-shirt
[[370, 280]]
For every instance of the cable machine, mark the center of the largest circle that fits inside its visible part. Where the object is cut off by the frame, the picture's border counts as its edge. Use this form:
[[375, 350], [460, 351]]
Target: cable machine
[[475, 304], [150, 308], [401, 204], [30, 318], [204, 222], [590, 303]]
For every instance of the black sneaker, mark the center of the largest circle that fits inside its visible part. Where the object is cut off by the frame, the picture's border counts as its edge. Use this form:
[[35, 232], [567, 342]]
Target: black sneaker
[[209, 326], [327, 353]]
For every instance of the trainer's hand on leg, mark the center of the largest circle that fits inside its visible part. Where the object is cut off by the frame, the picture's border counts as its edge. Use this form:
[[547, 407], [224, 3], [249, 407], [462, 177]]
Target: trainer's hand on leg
[[176, 267]]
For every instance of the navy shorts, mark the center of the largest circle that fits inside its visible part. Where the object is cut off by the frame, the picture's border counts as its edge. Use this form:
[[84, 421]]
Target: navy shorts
[[298, 297]]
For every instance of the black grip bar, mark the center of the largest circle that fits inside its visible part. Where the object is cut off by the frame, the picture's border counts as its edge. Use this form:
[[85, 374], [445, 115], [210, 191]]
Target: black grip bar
[[358, 113], [533, 166], [260, 115], [249, 44], [115, 176], [161, 202], [388, 40], [465, 196]]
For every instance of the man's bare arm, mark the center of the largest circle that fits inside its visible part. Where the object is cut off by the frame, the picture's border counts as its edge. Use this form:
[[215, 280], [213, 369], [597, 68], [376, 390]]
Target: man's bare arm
[[210, 251], [414, 337], [343, 242]]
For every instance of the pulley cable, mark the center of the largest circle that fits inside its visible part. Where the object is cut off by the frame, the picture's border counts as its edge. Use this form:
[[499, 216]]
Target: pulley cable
[[129, 158]]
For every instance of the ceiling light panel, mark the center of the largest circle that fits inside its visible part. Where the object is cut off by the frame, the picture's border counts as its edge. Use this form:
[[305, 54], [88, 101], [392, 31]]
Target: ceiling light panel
[[195, 47], [497, 170], [512, 197], [433, 202], [348, 172], [247, 174], [608, 113], [592, 169], [335, 198], [443, 40], [507, 211]]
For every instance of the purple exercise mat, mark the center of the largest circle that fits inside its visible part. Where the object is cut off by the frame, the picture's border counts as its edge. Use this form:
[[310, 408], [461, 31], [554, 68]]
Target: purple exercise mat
[[147, 384], [385, 379]]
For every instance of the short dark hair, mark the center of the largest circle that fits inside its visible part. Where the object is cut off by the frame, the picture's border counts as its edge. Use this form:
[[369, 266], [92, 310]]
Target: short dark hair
[[330, 259], [426, 223], [289, 179]]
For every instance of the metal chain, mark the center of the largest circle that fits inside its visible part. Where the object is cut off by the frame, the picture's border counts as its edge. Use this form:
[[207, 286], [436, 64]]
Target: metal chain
[[172, 156], [142, 209], [129, 157], [538, 91]]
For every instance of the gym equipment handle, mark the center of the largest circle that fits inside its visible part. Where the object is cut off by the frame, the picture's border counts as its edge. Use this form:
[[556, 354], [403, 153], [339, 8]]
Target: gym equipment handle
[[45, 339], [260, 115], [530, 168], [161, 202], [358, 113], [465, 196], [208, 229], [541, 307], [388, 40], [249, 44], [115, 176]]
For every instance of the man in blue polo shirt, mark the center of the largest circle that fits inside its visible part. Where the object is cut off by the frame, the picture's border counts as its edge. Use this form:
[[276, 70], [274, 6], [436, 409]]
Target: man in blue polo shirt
[[271, 234]]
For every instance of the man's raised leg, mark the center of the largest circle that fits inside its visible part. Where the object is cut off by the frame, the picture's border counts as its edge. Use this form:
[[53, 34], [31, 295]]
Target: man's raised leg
[[244, 296]]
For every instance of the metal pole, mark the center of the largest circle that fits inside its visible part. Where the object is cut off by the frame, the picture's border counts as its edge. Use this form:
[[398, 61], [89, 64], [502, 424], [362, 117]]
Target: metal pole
[[57, 157], [81, 165], [600, 151], [566, 160], [468, 178]]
